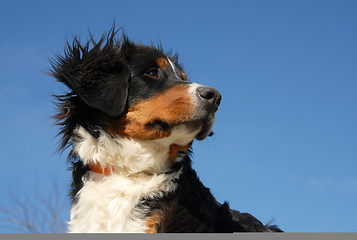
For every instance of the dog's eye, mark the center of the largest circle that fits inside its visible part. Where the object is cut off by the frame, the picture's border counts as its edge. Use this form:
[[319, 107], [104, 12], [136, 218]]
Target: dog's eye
[[153, 73]]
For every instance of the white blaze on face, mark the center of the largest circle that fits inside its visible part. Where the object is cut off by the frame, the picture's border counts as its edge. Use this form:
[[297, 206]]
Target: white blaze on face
[[173, 68]]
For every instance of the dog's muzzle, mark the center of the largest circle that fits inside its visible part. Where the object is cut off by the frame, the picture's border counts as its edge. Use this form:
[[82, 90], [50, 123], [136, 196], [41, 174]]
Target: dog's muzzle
[[208, 100]]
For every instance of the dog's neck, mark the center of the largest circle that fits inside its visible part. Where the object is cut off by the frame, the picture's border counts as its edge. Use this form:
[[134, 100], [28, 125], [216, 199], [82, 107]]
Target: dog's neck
[[97, 168], [107, 155]]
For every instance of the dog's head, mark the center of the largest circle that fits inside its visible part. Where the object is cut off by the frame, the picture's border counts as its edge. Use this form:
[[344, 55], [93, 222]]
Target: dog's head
[[132, 91]]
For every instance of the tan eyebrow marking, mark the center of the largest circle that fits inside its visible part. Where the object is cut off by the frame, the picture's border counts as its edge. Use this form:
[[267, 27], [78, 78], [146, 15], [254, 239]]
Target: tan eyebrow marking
[[161, 62]]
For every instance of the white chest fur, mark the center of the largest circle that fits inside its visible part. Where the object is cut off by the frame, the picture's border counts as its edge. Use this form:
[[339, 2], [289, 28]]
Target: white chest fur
[[109, 203]]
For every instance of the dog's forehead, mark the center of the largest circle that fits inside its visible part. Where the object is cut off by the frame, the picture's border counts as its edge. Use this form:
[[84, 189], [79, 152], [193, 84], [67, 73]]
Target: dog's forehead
[[145, 57], [145, 54]]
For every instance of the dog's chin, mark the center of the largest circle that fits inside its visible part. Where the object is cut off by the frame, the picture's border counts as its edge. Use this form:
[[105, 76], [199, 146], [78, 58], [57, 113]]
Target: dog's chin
[[205, 132], [205, 128]]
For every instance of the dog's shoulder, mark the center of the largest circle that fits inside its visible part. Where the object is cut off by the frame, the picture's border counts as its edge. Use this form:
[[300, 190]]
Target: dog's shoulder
[[192, 208]]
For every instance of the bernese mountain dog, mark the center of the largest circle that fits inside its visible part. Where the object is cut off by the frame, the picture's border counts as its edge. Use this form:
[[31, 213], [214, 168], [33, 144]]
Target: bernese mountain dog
[[129, 118]]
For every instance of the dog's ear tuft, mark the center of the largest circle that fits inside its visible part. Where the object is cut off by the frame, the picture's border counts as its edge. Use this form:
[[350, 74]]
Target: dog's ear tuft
[[96, 72]]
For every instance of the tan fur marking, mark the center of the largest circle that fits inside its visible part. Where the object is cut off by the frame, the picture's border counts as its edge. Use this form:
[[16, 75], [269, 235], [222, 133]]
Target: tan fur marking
[[153, 223], [174, 149], [184, 76], [161, 62], [173, 106]]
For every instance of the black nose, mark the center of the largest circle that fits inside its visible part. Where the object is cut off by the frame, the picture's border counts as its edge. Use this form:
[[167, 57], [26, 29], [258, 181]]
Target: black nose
[[210, 94]]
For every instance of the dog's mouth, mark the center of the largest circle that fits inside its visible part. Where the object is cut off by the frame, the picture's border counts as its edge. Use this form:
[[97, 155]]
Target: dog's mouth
[[203, 127]]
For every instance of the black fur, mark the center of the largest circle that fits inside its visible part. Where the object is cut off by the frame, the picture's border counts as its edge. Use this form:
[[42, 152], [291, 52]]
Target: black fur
[[192, 208], [98, 75]]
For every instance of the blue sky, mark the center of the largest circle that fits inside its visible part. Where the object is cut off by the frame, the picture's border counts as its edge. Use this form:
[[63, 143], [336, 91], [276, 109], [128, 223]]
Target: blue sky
[[285, 135]]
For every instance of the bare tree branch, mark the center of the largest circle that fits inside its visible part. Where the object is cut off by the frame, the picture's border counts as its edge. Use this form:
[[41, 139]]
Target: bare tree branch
[[39, 213]]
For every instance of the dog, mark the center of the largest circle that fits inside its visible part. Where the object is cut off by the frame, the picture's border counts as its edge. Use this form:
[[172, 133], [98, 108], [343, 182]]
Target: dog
[[130, 117]]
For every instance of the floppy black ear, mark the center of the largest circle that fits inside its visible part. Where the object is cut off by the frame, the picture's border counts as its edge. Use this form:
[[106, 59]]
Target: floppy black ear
[[96, 72]]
